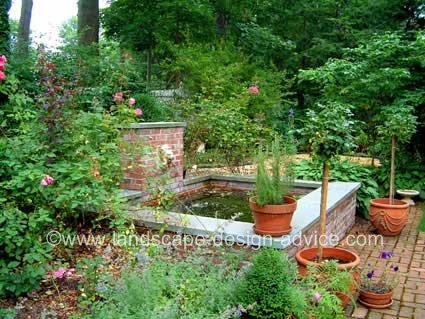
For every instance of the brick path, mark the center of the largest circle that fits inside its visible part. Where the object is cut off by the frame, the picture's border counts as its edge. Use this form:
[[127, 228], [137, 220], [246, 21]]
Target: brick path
[[409, 254]]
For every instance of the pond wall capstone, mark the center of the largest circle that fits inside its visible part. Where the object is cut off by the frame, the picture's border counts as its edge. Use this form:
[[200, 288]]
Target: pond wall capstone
[[159, 153]]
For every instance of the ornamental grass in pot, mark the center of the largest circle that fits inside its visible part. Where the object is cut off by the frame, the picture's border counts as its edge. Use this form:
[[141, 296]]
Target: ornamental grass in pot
[[271, 207], [389, 215], [376, 290], [329, 130]]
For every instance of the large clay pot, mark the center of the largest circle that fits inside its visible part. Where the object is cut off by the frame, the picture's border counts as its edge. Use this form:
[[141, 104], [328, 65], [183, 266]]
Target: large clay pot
[[374, 300], [347, 261], [273, 220], [388, 219]]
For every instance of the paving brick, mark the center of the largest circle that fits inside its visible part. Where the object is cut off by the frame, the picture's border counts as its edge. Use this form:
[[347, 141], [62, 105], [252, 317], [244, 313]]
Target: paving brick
[[409, 254], [359, 312], [406, 312], [409, 297], [374, 315]]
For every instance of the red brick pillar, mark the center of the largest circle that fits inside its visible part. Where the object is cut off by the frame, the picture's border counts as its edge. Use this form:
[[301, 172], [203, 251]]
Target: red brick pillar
[[153, 150]]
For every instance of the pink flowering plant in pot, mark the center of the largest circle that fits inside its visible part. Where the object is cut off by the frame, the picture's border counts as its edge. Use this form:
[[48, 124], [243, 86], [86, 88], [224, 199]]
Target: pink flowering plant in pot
[[376, 288]]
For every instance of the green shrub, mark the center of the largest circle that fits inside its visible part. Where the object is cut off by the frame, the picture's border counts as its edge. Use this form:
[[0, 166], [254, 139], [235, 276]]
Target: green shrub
[[192, 289], [409, 174], [223, 129], [344, 171], [268, 288], [24, 252], [322, 285], [271, 189]]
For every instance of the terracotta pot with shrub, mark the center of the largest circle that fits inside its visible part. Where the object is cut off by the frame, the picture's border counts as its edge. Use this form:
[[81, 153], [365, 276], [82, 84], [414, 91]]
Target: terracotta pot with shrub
[[389, 215], [329, 129], [271, 207]]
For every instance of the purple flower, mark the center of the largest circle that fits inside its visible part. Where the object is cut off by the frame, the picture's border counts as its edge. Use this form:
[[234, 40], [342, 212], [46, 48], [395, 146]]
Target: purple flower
[[386, 254], [370, 274]]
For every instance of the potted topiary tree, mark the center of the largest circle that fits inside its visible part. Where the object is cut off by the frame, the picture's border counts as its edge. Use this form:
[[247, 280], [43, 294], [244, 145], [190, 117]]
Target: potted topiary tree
[[389, 215], [271, 207], [330, 133]]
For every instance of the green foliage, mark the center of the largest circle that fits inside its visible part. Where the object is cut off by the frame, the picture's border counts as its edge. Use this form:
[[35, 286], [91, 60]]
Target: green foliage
[[222, 72], [409, 174], [270, 189], [223, 128], [384, 91], [268, 287], [421, 226], [327, 281], [7, 313], [153, 109], [24, 252], [397, 121], [329, 130], [344, 171], [4, 27], [196, 288]]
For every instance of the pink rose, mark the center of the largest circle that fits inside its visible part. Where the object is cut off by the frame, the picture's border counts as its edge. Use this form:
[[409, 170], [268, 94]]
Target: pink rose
[[253, 89], [2, 76], [47, 180], [131, 101], [118, 97], [138, 112], [317, 296], [59, 274], [3, 59]]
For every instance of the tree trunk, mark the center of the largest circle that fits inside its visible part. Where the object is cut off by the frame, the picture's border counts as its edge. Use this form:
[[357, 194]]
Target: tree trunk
[[323, 208], [88, 22], [392, 172], [24, 26], [148, 66]]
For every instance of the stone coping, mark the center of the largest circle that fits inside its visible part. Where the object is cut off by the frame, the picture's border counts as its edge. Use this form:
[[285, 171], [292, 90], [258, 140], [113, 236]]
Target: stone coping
[[306, 214], [132, 194], [243, 179], [149, 125]]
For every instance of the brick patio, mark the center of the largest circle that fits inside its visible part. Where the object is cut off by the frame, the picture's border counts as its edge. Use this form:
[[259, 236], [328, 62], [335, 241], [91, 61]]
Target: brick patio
[[409, 255]]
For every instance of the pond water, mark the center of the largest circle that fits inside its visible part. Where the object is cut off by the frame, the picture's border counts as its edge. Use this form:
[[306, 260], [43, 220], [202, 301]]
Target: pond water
[[217, 204]]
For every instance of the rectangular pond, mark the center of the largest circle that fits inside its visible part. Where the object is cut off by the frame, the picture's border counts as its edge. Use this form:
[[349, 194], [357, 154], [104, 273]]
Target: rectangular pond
[[341, 207]]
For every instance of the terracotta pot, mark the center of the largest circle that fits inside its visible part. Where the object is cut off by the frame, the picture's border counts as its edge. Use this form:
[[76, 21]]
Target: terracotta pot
[[273, 220], [348, 261], [374, 300], [388, 219]]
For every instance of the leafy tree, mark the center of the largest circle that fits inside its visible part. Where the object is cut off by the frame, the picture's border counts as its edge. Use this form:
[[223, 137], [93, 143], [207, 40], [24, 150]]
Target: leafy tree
[[373, 77]]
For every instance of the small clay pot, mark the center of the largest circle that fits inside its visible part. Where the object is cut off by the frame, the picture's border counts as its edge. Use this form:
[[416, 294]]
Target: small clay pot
[[273, 220], [348, 260], [388, 219], [374, 300]]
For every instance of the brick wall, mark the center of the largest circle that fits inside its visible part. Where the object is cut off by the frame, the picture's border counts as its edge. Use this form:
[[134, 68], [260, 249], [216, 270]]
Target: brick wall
[[153, 150], [339, 222]]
